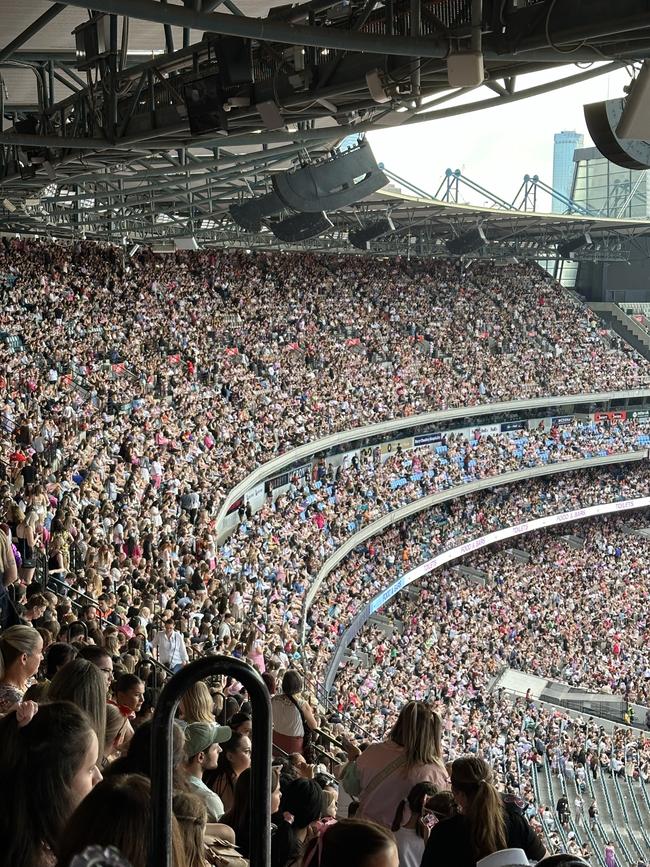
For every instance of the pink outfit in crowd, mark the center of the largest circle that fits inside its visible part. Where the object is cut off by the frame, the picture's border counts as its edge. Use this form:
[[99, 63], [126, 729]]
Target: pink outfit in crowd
[[381, 804]]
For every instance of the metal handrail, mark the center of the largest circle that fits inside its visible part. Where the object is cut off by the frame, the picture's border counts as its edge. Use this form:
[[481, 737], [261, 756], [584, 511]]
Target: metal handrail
[[160, 848]]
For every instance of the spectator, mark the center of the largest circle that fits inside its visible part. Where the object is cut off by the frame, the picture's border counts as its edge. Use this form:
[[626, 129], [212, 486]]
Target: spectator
[[169, 647], [118, 736], [116, 813], [58, 654], [486, 824], [351, 841], [80, 682], [196, 705], [203, 748], [102, 660], [48, 764], [384, 774], [412, 835], [239, 816], [191, 815], [234, 757], [293, 717], [128, 690], [300, 805], [21, 653]]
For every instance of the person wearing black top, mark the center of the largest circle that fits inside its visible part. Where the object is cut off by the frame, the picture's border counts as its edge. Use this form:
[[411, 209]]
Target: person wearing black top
[[487, 823]]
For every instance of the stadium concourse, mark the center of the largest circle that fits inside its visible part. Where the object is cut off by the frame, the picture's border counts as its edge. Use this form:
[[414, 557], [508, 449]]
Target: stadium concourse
[[138, 392]]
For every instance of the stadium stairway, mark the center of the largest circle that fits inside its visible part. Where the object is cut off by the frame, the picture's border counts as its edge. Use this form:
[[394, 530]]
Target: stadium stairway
[[626, 328]]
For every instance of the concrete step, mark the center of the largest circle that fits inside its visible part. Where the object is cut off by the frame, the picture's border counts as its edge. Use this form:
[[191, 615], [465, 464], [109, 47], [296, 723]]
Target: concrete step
[[519, 555]]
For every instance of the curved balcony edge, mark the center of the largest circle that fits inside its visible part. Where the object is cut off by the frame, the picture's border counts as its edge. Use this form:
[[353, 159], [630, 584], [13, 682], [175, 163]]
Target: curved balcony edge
[[380, 599], [277, 465]]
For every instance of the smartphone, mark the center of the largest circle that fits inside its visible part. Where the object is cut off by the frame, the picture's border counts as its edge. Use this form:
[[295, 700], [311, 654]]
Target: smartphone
[[429, 819]]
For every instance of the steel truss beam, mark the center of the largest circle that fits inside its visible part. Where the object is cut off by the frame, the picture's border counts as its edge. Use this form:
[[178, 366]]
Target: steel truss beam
[[36, 26]]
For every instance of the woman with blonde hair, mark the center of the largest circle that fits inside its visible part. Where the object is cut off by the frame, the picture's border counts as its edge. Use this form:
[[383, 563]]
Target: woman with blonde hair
[[384, 774], [21, 653], [196, 705], [118, 735], [487, 822]]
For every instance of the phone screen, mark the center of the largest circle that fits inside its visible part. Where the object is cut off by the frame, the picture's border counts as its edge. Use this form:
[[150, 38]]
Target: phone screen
[[429, 819]]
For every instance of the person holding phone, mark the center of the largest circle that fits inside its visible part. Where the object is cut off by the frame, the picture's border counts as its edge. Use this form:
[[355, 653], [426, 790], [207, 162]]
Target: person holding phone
[[411, 836]]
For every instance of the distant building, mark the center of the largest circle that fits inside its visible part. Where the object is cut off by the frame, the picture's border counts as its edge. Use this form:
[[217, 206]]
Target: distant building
[[564, 145], [610, 190]]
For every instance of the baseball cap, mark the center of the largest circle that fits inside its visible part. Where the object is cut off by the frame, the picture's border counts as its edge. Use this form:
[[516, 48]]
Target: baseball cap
[[505, 858], [199, 737]]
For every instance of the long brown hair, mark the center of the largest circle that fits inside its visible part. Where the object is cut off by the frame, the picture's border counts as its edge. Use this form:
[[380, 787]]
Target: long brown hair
[[116, 813], [484, 812], [419, 730]]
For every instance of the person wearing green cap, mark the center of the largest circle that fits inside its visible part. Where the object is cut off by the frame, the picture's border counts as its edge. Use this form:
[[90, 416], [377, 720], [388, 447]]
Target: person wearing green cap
[[202, 749]]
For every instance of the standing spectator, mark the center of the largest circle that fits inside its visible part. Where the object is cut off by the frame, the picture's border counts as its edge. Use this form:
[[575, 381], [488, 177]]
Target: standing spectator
[[129, 695], [117, 813], [487, 822], [81, 682], [21, 653], [384, 774], [48, 764], [8, 575], [202, 745], [412, 835], [350, 841], [292, 715], [169, 647]]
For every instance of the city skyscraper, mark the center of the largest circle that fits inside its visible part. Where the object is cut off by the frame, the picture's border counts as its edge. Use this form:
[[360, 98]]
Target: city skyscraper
[[564, 144]]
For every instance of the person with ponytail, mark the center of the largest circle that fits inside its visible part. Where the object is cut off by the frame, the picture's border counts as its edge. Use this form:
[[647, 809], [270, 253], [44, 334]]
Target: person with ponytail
[[21, 653], [48, 764], [486, 823], [385, 773], [411, 835], [300, 806]]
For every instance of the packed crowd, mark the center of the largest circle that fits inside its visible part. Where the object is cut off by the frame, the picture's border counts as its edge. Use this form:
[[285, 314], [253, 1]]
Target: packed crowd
[[574, 616], [135, 393], [377, 563]]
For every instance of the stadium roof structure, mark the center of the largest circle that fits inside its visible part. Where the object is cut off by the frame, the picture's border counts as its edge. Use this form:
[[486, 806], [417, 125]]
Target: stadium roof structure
[[97, 140]]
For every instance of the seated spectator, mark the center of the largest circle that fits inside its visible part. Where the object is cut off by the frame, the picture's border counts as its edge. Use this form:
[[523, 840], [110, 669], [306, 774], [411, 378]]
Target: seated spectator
[[384, 774], [116, 813], [48, 764], [486, 824], [292, 715], [202, 747], [80, 682], [352, 841], [300, 806], [241, 723], [21, 653], [234, 757]]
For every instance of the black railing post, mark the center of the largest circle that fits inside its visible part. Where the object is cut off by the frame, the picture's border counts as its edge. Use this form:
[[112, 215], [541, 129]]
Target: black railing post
[[160, 854]]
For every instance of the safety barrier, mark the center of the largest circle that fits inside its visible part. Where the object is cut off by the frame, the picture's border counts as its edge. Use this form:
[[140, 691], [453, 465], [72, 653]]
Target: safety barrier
[[160, 848]]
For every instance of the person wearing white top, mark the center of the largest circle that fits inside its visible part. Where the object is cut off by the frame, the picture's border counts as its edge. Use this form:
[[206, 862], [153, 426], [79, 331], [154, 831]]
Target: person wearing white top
[[169, 648]]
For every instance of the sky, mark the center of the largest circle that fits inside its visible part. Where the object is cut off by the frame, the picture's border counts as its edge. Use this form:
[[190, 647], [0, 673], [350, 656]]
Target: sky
[[497, 146]]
